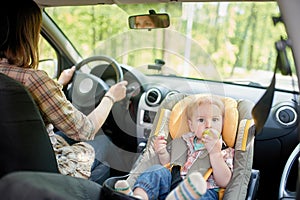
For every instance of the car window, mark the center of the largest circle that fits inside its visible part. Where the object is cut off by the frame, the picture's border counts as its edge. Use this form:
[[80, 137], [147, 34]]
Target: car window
[[48, 58], [224, 41]]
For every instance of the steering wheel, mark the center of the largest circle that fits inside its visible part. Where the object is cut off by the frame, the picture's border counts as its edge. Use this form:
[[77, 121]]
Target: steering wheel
[[284, 193], [87, 90]]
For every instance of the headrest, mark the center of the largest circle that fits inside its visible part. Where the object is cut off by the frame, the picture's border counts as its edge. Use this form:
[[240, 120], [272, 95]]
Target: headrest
[[178, 123]]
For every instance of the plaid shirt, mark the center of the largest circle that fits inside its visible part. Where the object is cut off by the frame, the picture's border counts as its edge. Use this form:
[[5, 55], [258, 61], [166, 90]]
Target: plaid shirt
[[55, 109]]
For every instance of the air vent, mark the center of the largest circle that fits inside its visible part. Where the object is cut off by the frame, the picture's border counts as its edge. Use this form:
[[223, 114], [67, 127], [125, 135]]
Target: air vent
[[286, 116], [153, 97]]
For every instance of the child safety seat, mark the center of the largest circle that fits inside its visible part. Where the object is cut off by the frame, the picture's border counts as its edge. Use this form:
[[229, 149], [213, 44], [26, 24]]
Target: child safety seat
[[238, 133]]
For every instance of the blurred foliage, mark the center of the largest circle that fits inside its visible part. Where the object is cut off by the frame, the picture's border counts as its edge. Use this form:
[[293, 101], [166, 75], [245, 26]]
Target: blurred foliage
[[241, 35]]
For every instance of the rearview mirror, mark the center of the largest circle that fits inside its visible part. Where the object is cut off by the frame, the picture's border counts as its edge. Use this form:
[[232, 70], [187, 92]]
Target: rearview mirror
[[149, 21]]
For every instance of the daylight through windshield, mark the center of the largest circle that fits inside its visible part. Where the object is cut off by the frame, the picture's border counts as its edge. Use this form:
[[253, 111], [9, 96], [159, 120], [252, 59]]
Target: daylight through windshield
[[215, 41]]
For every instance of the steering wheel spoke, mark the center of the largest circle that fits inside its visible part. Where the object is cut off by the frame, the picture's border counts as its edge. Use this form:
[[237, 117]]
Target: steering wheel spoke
[[87, 90]]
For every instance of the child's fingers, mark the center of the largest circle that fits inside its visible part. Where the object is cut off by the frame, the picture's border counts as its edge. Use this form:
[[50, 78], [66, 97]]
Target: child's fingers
[[161, 137]]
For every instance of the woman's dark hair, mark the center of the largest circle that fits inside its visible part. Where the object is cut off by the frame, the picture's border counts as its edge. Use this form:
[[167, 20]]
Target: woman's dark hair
[[19, 33], [156, 20]]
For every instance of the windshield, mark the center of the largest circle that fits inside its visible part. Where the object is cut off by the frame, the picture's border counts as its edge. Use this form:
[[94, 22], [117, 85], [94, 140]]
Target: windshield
[[232, 42]]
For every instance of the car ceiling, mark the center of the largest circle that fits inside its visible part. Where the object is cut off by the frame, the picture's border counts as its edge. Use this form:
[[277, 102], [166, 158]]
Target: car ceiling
[[49, 3]]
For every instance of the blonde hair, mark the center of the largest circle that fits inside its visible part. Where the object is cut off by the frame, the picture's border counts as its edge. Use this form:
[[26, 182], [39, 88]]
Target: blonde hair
[[210, 99], [23, 25]]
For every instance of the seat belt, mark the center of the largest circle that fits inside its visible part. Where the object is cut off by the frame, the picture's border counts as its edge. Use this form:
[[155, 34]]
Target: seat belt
[[261, 110]]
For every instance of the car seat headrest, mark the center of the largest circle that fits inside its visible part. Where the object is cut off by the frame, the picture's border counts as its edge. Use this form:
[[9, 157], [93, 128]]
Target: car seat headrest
[[178, 124]]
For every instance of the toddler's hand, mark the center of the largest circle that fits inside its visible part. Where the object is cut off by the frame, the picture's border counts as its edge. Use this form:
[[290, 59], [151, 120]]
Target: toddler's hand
[[160, 145], [211, 140]]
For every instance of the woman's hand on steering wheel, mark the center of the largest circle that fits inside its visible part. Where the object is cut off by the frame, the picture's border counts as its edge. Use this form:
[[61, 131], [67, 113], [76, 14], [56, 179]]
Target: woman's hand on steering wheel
[[66, 76], [87, 89], [118, 91]]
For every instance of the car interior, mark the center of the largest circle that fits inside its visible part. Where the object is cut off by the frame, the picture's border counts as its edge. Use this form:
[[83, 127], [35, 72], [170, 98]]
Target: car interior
[[265, 131]]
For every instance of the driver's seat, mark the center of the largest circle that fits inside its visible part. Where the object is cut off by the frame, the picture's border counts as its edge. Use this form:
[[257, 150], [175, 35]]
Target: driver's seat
[[24, 144]]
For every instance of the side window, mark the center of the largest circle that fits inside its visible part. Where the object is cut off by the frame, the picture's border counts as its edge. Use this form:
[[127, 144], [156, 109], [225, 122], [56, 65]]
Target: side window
[[48, 58]]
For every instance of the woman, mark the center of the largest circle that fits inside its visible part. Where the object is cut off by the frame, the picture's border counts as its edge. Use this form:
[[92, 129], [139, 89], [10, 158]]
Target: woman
[[19, 36]]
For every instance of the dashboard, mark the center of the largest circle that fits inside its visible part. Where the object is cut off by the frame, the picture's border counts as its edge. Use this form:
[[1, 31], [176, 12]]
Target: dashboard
[[145, 94]]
